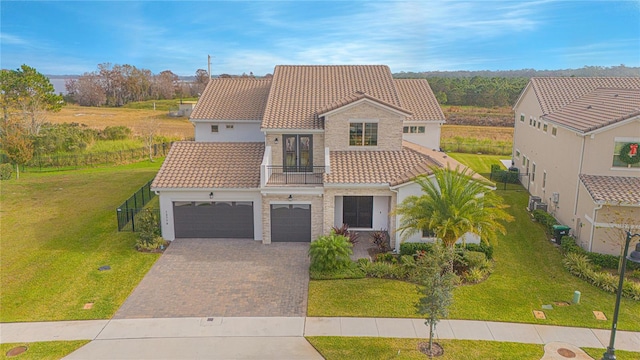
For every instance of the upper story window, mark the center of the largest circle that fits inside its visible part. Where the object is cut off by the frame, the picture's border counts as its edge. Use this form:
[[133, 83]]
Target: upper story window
[[363, 134], [229, 126], [530, 121], [626, 153], [214, 128], [413, 129], [554, 131], [545, 127], [522, 117]]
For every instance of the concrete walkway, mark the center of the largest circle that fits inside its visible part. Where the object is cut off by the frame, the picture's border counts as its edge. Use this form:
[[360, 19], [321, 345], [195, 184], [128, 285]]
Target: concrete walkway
[[277, 337]]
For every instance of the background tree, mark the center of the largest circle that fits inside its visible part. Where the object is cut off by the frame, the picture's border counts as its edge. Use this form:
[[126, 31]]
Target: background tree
[[31, 94], [453, 204], [202, 79], [148, 130], [165, 85], [87, 90], [17, 144]]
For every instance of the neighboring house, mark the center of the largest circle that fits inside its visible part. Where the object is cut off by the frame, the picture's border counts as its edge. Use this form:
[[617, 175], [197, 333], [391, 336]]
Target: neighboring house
[[288, 158], [568, 138]]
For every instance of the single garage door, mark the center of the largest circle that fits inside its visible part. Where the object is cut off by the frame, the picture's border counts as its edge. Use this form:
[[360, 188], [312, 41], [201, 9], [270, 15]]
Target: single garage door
[[291, 222], [221, 219]]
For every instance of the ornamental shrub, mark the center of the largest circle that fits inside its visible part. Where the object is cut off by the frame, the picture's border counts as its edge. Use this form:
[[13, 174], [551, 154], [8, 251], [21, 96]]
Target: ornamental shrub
[[474, 259], [6, 171], [149, 237], [412, 248], [330, 253], [546, 219]]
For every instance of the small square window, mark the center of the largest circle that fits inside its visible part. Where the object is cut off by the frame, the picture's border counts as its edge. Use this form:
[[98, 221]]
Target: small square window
[[214, 128], [229, 126], [522, 117], [405, 130], [420, 129], [554, 131]]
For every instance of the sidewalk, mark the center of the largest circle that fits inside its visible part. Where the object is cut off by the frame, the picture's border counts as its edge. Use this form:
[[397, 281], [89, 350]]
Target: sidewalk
[[278, 337]]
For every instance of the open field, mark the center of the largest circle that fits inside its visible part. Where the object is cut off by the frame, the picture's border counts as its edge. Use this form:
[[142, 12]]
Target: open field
[[101, 117], [58, 228], [528, 274], [494, 133], [474, 115]]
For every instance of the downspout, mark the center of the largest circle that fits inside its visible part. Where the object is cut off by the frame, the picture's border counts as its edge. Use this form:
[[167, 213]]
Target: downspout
[[575, 206], [593, 226], [396, 247]]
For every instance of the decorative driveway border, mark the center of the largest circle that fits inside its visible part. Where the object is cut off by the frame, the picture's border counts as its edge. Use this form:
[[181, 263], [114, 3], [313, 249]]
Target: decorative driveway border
[[223, 278]]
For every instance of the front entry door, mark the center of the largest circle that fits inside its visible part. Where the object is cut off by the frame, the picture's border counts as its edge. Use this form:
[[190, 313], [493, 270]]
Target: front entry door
[[297, 153], [357, 211]]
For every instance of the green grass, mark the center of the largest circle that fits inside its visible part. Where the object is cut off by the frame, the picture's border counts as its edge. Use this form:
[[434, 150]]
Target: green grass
[[337, 348], [362, 298], [479, 163], [57, 229], [50, 350], [114, 145], [528, 274]]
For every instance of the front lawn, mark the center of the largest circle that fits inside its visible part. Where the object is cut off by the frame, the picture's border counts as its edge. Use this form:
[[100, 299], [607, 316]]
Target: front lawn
[[338, 348], [528, 274], [58, 228], [49, 350]]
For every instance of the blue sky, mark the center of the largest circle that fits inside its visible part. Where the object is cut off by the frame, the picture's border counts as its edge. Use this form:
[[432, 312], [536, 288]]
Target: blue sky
[[73, 37]]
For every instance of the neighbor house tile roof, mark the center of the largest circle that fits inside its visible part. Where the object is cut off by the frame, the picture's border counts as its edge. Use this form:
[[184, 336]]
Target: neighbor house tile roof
[[417, 96], [377, 167], [233, 99], [207, 165], [299, 92], [599, 108], [623, 190], [554, 93]]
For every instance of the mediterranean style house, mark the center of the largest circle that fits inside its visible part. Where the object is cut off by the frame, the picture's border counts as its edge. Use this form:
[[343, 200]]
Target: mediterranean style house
[[289, 157], [576, 144]]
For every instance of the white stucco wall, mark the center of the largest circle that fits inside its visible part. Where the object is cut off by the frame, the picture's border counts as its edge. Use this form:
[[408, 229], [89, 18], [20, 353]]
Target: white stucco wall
[[243, 131], [168, 197], [430, 139]]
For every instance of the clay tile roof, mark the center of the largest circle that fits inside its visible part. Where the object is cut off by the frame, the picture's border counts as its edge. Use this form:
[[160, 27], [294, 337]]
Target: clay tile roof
[[613, 189], [377, 167], [355, 97], [554, 93], [233, 99], [205, 165], [417, 96], [599, 108], [298, 92]]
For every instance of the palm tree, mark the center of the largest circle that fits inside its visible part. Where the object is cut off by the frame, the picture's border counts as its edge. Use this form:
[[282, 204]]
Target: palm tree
[[453, 204]]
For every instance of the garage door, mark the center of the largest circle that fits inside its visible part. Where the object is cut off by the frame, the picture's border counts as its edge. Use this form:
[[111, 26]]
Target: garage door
[[291, 222], [221, 219]]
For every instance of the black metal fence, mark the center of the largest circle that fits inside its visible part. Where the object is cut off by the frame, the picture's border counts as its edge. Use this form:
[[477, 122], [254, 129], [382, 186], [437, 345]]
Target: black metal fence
[[74, 161], [128, 212], [508, 180], [294, 175]]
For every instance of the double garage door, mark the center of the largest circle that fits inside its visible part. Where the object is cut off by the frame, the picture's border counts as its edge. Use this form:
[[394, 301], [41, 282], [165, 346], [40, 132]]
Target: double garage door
[[222, 219]]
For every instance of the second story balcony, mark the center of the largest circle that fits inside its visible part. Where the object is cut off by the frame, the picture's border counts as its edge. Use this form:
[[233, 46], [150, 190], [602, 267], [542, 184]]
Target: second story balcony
[[294, 175]]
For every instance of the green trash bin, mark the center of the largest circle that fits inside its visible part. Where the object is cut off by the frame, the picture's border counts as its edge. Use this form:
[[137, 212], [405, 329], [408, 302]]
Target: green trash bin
[[559, 231]]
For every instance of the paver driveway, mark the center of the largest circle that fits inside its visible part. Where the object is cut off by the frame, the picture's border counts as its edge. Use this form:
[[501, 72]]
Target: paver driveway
[[223, 277]]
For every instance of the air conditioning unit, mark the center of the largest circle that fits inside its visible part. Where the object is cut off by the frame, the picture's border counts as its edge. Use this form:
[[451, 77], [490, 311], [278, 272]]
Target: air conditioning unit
[[533, 200], [540, 206]]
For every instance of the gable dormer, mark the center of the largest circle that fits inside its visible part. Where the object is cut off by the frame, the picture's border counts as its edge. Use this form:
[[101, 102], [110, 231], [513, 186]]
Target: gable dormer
[[363, 122]]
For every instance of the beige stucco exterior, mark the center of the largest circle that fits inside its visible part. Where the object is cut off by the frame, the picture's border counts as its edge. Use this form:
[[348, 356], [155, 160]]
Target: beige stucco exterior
[[563, 157]]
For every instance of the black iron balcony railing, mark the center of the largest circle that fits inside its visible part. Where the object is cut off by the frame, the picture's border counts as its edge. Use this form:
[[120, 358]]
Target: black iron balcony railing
[[278, 175]]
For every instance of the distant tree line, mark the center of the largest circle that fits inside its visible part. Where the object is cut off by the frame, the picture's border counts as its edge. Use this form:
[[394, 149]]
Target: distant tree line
[[117, 85], [587, 71]]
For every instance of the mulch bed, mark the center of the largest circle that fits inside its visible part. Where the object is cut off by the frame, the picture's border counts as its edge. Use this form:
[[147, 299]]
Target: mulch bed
[[436, 349]]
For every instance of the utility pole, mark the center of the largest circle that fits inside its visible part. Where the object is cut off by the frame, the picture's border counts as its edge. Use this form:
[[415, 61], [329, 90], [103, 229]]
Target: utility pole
[[209, 65]]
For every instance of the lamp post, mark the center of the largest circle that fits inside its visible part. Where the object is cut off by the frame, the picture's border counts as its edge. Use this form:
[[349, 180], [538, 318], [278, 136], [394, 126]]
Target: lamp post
[[633, 257]]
